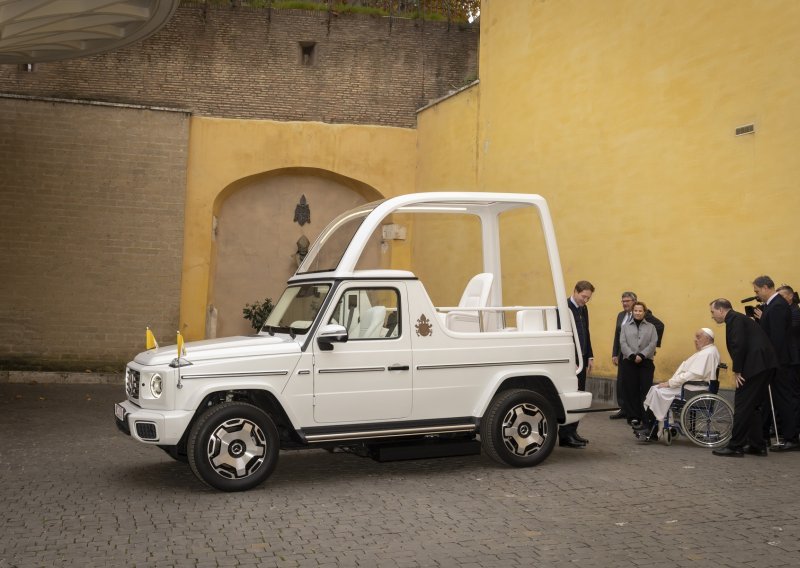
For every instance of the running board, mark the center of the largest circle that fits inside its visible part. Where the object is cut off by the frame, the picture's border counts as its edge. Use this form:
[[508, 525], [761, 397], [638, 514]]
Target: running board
[[588, 410], [390, 433]]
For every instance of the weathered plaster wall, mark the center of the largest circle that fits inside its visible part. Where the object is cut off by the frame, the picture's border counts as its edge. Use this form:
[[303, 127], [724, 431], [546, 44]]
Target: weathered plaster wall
[[623, 115]]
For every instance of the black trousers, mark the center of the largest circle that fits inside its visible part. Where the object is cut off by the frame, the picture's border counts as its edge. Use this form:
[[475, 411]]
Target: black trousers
[[568, 430], [748, 405], [785, 400], [620, 388], [636, 381]]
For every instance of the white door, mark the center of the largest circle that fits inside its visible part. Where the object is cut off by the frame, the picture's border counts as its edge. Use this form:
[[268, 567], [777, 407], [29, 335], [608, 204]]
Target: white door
[[370, 376]]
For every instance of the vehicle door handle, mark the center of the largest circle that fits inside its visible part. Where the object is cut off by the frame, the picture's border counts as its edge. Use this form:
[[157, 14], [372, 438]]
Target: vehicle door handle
[[398, 368]]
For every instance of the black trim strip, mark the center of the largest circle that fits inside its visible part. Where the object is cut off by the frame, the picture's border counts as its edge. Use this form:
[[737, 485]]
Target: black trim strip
[[588, 410], [356, 370], [498, 364], [390, 433], [235, 375], [386, 429]]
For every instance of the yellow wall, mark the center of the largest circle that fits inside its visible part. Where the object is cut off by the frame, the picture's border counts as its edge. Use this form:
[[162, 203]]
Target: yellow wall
[[222, 152], [622, 114]]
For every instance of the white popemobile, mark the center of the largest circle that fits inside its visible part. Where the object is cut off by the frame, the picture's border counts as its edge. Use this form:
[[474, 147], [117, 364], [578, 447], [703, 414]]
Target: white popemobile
[[362, 360]]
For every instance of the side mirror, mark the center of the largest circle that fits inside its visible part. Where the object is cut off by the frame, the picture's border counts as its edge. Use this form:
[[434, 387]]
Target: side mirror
[[330, 334]]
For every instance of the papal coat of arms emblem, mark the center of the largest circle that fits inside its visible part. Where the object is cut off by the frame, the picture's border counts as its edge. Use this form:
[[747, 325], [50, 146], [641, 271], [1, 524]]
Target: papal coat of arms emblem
[[302, 213], [424, 327]]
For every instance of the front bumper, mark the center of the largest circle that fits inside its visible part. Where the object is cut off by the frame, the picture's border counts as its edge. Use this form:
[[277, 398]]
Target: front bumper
[[574, 403], [162, 427]]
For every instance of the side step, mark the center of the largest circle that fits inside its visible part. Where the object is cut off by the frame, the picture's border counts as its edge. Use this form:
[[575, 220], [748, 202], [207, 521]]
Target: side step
[[433, 448]]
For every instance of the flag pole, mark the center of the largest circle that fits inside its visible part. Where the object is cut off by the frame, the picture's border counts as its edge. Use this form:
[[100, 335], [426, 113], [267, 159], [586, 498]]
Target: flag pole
[[180, 348]]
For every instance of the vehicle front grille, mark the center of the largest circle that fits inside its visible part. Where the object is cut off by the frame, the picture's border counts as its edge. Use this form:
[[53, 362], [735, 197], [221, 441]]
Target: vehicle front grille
[[132, 383]]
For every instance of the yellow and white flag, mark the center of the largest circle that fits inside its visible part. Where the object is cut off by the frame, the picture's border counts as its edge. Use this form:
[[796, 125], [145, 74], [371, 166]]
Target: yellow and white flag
[[181, 347], [151, 340]]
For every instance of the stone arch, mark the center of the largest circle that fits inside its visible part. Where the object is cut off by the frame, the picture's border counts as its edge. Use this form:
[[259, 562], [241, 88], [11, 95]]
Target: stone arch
[[255, 236]]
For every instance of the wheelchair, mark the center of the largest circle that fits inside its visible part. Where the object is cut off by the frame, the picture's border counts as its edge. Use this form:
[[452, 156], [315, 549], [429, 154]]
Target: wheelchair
[[705, 417]]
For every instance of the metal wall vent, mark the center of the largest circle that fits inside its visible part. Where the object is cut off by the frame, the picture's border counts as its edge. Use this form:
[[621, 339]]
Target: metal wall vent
[[746, 129]]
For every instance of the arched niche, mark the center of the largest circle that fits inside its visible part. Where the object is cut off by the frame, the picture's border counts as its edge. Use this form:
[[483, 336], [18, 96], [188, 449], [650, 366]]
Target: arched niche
[[255, 236]]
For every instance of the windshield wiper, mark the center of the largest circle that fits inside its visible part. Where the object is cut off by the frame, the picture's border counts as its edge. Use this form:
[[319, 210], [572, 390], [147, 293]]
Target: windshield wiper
[[269, 329]]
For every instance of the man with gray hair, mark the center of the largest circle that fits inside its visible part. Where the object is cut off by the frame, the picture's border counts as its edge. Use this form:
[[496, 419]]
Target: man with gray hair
[[775, 318], [701, 366], [628, 298]]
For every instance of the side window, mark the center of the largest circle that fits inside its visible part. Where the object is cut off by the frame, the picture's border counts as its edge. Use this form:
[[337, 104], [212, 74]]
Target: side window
[[368, 313]]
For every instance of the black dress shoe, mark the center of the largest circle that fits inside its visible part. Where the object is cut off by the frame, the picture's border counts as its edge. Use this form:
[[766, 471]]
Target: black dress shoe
[[788, 446], [581, 439], [728, 452], [571, 442], [753, 451], [617, 415]]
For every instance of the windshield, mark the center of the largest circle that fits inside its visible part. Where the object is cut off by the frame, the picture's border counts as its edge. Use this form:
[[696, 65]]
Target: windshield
[[331, 245], [297, 309]]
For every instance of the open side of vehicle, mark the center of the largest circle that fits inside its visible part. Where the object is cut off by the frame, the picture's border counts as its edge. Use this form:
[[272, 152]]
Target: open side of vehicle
[[362, 360]]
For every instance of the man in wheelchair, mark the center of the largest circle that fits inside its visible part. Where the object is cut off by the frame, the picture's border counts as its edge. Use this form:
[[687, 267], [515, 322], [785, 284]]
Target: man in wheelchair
[[700, 367]]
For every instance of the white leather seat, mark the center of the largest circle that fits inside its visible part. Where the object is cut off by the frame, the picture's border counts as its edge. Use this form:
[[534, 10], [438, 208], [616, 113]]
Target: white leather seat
[[371, 323], [544, 319], [530, 320], [476, 295]]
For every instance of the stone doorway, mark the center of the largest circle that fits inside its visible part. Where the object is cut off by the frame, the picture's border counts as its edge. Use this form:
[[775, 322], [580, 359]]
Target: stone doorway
[[255, 237]]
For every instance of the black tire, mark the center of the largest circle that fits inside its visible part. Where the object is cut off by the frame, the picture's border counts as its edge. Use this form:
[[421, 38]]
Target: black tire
[[519, 428], [233, 446]]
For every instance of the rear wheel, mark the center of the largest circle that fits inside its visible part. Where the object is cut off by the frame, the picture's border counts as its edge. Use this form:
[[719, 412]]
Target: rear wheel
[[519, 428], [707, 420], [233, 446]]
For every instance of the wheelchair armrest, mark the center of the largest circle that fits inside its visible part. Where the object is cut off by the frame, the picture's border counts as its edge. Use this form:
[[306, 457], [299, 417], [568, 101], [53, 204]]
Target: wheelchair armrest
[[694, 383]]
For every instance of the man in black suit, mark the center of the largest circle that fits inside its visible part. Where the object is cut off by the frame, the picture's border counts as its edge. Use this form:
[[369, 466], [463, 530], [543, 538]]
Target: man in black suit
[[568, 434], [776, 321], [628, 299], [754, 364]]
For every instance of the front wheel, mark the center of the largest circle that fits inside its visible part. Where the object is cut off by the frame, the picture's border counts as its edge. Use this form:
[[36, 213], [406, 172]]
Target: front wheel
[[233, 446], [519, 428]]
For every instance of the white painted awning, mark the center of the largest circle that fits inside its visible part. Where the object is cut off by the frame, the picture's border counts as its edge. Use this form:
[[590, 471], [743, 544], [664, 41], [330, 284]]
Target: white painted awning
[[33, 31]]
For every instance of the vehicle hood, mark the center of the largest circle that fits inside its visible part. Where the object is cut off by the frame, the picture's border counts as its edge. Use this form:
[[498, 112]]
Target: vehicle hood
[[209, 349]]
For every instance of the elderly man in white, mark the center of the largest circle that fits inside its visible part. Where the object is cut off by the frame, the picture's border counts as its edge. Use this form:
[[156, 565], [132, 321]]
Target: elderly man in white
[[701, 366]]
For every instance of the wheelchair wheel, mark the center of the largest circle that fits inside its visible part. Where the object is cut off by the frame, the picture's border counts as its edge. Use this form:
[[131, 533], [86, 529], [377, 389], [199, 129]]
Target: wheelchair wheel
[[707, 420]]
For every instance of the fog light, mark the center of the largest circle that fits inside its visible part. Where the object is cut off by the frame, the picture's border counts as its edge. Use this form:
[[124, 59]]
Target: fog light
[[156, 385]]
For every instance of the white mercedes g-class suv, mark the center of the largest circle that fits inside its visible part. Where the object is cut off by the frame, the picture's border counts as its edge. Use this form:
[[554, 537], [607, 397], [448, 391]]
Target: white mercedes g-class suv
[[362, 360]]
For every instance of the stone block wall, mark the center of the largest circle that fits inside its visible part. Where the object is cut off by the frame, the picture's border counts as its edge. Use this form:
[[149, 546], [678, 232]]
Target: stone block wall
[[91, 225]]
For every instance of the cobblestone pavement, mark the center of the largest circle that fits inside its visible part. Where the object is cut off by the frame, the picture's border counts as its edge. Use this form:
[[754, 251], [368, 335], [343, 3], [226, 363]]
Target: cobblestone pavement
[[76, 492]]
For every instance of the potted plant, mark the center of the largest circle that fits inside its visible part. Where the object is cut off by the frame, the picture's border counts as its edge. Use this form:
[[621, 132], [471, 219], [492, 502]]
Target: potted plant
[[257, 312]]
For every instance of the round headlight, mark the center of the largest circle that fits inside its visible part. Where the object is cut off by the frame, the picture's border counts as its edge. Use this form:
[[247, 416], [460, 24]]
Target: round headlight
[[156, 385]]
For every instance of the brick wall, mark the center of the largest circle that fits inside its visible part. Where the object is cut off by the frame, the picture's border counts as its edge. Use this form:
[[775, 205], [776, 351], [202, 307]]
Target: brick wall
[[91, 225], [247, 63]]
